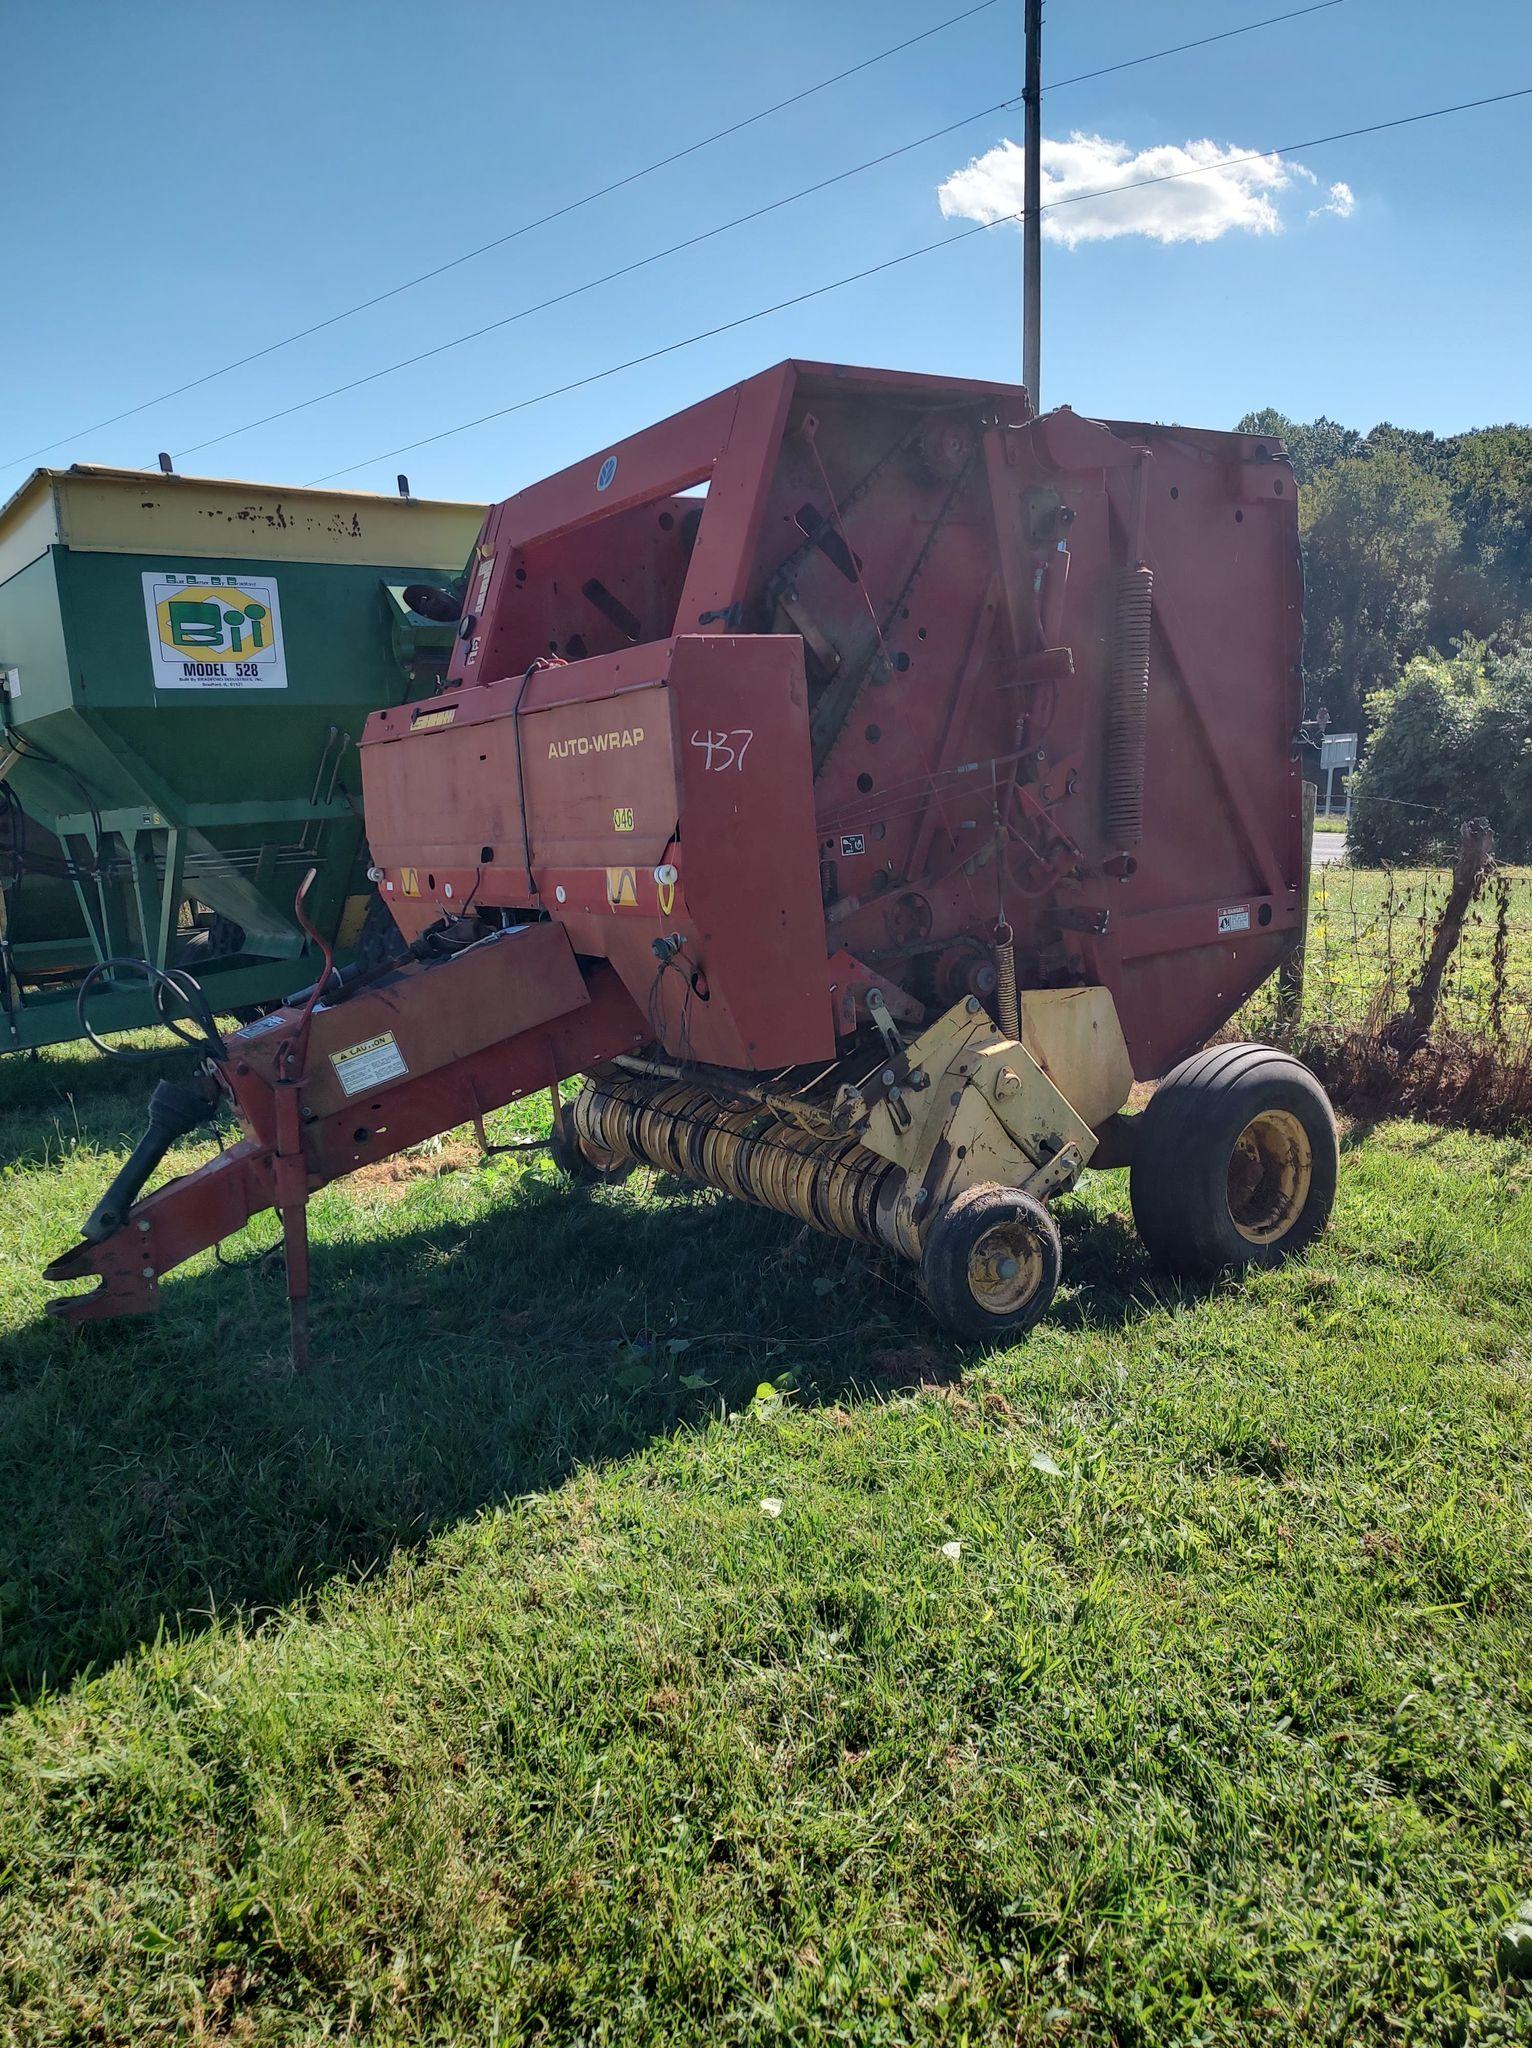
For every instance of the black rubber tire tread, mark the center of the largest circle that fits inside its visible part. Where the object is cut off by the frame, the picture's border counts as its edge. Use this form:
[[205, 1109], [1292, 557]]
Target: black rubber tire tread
[[944, 1262], [380, 942], [572, 1161], [220, 940], [1178, 1180]]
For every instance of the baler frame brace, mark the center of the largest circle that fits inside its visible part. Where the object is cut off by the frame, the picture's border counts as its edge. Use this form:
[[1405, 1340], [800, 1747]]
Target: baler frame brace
[[305, 1130]]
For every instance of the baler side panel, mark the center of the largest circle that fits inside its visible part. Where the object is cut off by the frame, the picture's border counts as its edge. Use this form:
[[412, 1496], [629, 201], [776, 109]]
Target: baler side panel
[[747, 851], [726, 740], [601, 784], [691, 756], [1215, 900]]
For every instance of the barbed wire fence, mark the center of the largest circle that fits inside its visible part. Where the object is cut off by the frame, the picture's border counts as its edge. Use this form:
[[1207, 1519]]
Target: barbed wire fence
[[1370, 938]]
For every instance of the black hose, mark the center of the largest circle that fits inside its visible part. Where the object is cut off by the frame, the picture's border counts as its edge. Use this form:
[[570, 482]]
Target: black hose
[[174, 981]]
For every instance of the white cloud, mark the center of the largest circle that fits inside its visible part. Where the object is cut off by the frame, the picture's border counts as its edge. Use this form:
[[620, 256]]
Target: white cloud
[[1205, 190], [1342, 203]]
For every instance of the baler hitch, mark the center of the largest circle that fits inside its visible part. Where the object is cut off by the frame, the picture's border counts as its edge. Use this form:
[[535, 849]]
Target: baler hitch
[[324, 1088]]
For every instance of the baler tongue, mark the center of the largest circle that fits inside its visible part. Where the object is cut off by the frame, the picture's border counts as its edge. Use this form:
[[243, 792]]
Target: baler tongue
[[426, 1047], [859, 830]]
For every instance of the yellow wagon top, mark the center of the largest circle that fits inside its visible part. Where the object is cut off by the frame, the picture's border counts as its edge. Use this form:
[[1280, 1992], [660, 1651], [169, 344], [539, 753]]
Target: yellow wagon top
[[139, 511]]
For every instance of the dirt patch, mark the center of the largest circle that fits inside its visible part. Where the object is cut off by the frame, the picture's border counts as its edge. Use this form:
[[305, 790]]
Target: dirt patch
[[390, 1177], [916, 1365]]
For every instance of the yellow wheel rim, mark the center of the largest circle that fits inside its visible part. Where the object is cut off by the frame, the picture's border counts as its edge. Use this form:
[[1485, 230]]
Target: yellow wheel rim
[[1005, 1267], [1271, 1170]]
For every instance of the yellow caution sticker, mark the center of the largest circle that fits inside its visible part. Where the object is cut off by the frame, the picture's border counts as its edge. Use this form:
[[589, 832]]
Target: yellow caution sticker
[[409, 881], [424, 721], [622, 888], [369, 1065]]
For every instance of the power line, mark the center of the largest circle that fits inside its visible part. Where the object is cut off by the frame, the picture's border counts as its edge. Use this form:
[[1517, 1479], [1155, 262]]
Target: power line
[[512, 234], [910, 255], [740, 220], [1176, 49], [591, 284]]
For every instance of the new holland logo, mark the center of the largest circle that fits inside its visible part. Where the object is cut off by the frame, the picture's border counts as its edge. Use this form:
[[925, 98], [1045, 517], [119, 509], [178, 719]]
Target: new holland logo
[[596, 743], [214, 632]]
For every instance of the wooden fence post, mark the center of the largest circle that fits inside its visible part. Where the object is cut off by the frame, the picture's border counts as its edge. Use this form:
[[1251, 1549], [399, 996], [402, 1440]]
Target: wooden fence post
[[1290, 973], [1475, 858]]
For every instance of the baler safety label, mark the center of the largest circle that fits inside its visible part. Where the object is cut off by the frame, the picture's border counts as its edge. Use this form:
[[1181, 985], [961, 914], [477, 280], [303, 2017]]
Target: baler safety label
[[369, 1065], [214, 631], [428, 721], [1235, 919]]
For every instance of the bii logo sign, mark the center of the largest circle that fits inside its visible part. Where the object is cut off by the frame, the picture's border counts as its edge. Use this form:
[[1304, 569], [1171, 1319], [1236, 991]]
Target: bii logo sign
[[214, 632]]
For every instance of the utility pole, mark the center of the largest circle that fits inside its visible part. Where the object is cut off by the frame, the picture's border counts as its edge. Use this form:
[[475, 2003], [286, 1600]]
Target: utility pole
[[1032, 224]]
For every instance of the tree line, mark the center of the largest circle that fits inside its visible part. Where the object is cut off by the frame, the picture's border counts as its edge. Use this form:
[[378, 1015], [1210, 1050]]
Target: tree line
[[1418, 622]]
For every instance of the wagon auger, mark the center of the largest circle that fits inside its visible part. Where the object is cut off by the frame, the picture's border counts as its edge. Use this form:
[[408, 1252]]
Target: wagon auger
[[861, 830]]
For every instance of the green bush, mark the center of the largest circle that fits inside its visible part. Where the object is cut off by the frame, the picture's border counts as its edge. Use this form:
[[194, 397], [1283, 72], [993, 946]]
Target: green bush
[[1451, 739]]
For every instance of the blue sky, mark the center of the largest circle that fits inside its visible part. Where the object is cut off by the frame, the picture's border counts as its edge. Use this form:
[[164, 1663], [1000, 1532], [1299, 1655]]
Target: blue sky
[[202, 181]]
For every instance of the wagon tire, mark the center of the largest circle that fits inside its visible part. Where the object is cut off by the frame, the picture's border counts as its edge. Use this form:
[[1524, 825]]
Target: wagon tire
[[219, 939], [990, 1263], [1235, 1162], [380, 942]]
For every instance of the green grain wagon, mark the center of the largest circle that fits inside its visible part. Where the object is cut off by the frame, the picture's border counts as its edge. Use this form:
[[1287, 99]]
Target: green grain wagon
[[185, 665]]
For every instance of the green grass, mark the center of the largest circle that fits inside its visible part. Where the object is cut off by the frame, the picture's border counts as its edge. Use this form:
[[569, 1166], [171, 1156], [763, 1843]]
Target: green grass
[[463, 1690], [1334, 823]]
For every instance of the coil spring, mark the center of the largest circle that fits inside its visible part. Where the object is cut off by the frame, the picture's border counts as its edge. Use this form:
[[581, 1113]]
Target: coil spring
[[1127, 710], [1007, 1006]]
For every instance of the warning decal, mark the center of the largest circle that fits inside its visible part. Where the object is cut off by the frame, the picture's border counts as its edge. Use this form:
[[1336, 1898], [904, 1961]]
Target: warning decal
[[427, 721], [369, 1065], [1235, 919], [622, 888]]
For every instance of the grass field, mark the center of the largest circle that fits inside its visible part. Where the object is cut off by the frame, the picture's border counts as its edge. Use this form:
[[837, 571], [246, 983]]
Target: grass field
[[641, 1627]]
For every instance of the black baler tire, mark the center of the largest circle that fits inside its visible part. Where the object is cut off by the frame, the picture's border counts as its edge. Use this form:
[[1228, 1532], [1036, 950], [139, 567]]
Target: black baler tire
[[571, 1159], [1179, 1179], [944, 1262], [380, 942]]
